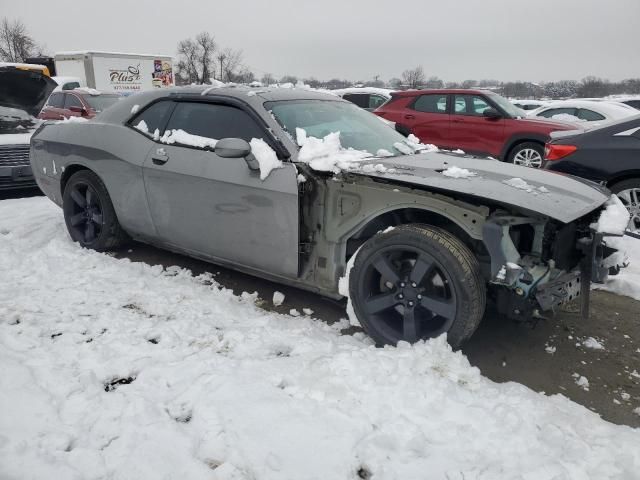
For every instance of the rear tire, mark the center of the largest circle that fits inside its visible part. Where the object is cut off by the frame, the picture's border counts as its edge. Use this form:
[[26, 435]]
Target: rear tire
[[89, 214], [416, 282], [527, 154], [628, 191]]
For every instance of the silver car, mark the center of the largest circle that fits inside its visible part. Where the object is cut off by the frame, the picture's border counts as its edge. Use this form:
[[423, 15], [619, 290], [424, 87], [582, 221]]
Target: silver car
[[424, 250]]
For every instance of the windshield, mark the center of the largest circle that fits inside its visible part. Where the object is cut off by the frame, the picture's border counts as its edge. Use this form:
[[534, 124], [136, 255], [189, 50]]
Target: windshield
[[100, 102], [14, 120], [507, 106], [358, 128]]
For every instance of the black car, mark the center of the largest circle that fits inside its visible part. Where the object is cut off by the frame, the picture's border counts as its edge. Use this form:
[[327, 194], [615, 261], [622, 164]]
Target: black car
[[609, 155]]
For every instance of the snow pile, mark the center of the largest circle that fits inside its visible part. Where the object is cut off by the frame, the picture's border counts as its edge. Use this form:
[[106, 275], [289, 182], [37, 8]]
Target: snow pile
[[278, 298], [383, 153], [170, 376], [90, 91], [142, 126], [135, 109], [377, 168], [614, 218], [411, 145], [627, 282], [593, 344], [266, 157], [457, 172], [327, 154], [72, 120], [180, 136], [521, 184], [581, 381]]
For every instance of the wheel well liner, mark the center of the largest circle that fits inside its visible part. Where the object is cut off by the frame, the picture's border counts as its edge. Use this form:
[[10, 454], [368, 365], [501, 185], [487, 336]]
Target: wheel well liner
[[402, 216], [622, 176], [68, 172]]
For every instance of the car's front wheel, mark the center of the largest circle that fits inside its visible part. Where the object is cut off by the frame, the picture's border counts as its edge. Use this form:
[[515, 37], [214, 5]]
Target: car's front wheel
[[89, 214], [416, 282], [527, 154], [628, 191]]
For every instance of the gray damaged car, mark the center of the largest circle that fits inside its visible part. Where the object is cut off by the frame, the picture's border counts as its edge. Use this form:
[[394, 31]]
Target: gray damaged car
[[424, 248]]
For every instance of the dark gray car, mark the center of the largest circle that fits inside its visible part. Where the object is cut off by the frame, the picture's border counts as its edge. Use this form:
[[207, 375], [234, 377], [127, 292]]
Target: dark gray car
[[147, 168]]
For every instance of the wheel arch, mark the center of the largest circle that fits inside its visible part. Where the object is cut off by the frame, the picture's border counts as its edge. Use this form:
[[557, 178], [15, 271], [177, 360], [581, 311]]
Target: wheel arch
[[622, 176], [519, 139], [404, 215], [68, 172]]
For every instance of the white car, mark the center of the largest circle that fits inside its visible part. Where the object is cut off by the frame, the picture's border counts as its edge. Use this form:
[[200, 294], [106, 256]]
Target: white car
[[368, 98], [584, 111], [68, 83], [529, 104]]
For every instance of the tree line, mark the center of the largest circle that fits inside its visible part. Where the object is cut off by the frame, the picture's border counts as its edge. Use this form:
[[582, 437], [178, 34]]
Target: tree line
[[202, 60]]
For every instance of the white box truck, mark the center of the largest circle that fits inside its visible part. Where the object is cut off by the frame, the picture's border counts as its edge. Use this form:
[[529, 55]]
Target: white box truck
[[117, 72]]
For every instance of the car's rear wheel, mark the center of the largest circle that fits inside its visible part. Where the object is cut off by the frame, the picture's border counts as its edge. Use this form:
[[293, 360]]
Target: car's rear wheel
[[628, 191], [417, 282], [527, 154], [89, 214]]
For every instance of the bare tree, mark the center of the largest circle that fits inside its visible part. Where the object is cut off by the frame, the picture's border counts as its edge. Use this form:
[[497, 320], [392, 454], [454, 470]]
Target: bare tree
[[196, 58], [434, 82], [289, 79], [15, 42], [229, 63], [268, 79], [414, 77]]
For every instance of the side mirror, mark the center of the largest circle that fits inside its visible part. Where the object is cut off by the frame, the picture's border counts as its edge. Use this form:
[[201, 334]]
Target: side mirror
[[82, 111], [236, 148], [491, 113]]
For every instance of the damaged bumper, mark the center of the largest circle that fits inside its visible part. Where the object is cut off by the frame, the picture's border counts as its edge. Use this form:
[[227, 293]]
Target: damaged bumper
[[528, 285]]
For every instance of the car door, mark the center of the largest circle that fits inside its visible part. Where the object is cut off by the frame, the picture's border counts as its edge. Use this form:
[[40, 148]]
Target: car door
[[72, 106], [54, 107], [428, 118], [218, 207], [470, 130]]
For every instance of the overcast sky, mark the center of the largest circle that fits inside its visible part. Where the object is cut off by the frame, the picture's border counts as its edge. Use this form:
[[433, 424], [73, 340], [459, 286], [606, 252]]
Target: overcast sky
[[357, 39]]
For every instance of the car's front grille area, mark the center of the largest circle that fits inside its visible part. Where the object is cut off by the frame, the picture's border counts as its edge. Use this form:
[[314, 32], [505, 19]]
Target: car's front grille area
[[14, 155]]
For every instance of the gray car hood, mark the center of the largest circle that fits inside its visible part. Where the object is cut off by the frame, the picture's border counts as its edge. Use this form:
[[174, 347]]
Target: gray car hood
[[561, 197]]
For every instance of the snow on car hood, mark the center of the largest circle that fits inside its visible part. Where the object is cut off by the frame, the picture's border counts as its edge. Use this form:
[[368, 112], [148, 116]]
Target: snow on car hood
[[560, 197]]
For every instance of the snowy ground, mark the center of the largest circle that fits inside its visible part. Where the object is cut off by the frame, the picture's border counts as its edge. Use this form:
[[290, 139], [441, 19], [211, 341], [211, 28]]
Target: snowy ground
[[113, 369]]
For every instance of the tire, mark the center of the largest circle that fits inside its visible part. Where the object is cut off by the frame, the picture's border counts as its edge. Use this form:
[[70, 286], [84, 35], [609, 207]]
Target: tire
[[89, 214], [416, 282], [628, 191], [527, 154]]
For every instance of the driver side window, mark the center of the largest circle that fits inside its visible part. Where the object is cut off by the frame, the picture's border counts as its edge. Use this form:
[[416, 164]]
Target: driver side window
[[214, 121]]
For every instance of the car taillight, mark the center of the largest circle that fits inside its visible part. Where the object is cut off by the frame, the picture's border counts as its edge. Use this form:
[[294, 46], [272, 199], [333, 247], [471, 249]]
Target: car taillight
[[556, 152]]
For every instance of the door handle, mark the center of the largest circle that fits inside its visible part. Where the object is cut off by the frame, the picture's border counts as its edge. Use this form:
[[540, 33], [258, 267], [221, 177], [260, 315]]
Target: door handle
[[409, 116], [160, 157]]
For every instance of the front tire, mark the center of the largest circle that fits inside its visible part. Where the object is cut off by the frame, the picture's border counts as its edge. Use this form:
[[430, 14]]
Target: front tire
[[89, 214], [628, 191], [416, 282], [527, 154]]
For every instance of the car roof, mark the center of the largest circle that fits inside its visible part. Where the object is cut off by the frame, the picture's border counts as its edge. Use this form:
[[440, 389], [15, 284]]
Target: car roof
[[467, 91], [608, 108], [247, 93]]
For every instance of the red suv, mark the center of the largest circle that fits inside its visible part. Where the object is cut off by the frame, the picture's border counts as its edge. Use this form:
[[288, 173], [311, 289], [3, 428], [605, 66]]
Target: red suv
[[476, 121], [76, 103]]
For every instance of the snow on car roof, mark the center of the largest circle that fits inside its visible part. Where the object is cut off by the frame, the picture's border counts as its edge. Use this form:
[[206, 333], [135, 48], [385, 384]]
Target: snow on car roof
[[609, 109], [119, 54], [385, 92]]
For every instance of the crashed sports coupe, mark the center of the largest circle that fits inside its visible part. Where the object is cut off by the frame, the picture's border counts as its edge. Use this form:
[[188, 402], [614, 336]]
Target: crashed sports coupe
[[304, 188]]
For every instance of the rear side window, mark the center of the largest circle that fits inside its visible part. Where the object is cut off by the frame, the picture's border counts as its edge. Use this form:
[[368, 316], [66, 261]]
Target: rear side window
[[472, 105], [633, 103], [154, 118], [557, 111], [70, 86], [56, 100], [214, 121], [431, 104], [376, 101], [72, 101], [360, 99], [589, 115]]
